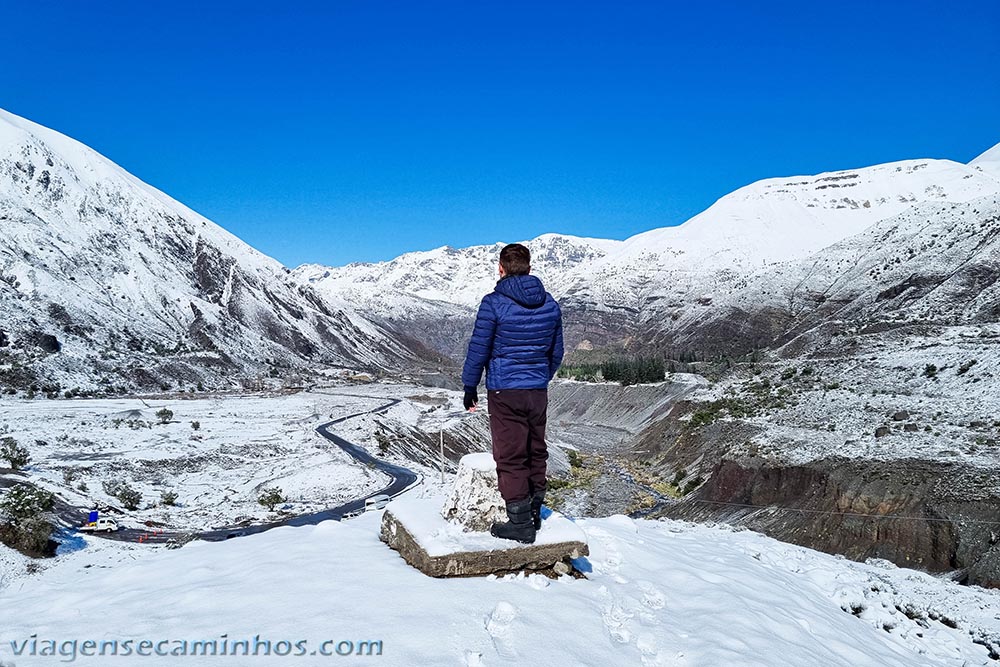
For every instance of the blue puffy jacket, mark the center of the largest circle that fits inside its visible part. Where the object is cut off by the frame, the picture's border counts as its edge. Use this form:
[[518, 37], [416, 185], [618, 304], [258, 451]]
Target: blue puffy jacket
[[518, 337]]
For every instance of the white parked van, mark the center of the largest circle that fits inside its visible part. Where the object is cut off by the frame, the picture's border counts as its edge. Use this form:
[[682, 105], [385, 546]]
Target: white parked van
[[377, 502], [103, 525]]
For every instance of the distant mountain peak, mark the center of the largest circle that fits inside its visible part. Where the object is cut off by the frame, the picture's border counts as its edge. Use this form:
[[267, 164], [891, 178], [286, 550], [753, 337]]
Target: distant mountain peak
[[989, 155], [988, 161]]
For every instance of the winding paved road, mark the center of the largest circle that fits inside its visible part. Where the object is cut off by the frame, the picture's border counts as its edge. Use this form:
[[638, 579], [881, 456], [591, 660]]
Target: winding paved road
[[402, 479]]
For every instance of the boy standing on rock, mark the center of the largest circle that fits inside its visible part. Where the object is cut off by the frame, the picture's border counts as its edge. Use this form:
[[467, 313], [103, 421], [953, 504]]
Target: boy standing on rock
[[518, 340]]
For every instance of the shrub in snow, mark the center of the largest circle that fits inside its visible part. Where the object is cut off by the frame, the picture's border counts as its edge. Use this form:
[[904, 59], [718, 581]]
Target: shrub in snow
[[196, 425], [383, 441], [16, 455], [168, 497], [24, 503], [129, 497], [692, 485], [271, 497], [25, 526], [32, 538], [164, 415]]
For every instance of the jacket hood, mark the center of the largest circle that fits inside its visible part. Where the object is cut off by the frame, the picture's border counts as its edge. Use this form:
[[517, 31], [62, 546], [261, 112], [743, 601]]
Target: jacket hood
[[527, 291]]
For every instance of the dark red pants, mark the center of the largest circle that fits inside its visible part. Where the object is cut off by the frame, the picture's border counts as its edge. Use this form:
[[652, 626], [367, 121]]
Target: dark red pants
[[517, 423]]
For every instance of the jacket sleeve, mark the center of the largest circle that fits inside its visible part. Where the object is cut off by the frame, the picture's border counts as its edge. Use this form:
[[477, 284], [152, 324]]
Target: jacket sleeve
[[556, 351], [480, 345]]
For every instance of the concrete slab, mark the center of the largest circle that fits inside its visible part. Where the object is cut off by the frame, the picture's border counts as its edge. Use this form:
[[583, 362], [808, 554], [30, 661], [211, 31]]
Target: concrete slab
[[415, 528]]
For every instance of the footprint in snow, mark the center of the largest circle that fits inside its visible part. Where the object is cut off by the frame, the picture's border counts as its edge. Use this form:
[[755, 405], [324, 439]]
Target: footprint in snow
[[498, 626], [616, 619], [649, 651], [473, 659], [652, 596], [612, 556]]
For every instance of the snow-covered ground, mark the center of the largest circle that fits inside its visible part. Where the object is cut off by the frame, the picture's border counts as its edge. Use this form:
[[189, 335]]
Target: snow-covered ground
[[421, 410], [243, 444], [935, 392], [656, 593]]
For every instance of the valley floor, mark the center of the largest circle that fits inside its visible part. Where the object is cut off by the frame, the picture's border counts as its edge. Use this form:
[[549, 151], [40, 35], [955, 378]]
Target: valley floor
[[217, 454]]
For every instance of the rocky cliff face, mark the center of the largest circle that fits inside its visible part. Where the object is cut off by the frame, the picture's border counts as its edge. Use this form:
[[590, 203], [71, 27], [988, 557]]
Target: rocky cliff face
[[934, 516], [106, 281], [889, 452]]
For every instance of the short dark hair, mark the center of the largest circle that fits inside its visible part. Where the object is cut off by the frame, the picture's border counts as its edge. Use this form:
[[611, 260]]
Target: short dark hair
[[515, 260]]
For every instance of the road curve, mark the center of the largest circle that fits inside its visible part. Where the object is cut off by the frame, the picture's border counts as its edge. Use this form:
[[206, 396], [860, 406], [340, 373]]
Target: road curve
[[402, 479]]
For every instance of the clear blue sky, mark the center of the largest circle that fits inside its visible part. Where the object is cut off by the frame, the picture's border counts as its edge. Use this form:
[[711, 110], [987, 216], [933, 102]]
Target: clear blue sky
[[354, 131]]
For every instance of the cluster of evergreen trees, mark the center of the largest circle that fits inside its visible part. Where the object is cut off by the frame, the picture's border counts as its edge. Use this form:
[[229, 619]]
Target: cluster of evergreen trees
[[625, 371], [633, 371]]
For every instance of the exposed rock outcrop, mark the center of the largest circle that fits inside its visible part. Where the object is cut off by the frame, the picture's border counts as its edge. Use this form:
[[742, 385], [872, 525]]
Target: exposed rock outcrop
[[475, 502], [914, 513]]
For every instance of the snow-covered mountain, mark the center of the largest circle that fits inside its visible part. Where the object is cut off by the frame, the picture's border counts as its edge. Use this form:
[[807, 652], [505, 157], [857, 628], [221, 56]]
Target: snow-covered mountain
[[460, 277], [102, 275], [770, 222], [937, 263], [656, 282], [433, 294]]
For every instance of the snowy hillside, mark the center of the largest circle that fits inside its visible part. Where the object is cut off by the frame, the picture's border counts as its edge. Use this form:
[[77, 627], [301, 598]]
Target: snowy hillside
[[656, 593], [937, 262], [989, 161], [103, 276]]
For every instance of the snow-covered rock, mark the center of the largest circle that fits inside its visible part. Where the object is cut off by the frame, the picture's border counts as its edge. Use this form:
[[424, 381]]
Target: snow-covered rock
[[415, 528], [475, 502]]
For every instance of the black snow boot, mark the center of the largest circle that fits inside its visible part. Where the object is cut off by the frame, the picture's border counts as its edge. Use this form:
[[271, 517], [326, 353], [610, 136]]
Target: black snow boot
[[536, 508], [519, 526]]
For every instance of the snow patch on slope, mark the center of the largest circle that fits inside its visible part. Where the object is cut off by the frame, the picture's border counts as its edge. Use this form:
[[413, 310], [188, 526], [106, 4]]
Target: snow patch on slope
[[989, 161]]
